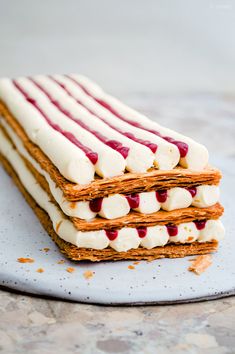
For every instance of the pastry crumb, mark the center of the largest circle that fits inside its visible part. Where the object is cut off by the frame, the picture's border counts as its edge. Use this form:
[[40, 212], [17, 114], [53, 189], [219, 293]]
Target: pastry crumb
[[25, 260], [73, 205], [58, 225], [62, 261], [136, 263], [40, 270], [200, 264], [131, 267], [70, 269], [88, 274], [46, 249], [189, 239]]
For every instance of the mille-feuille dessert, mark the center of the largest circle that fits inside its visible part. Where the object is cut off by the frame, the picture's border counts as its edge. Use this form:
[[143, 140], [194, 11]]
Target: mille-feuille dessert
[[106, 182]]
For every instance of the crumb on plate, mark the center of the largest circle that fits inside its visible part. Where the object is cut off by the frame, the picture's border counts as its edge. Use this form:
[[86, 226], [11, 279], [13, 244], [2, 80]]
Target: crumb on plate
[[40, 270], [25, 260], [88, 274], [131, 267], [70, 269], [62, 261], [200, 264]]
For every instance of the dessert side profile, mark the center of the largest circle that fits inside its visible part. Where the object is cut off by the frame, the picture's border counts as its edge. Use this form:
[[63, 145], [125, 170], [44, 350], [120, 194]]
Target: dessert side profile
[[106, 182]]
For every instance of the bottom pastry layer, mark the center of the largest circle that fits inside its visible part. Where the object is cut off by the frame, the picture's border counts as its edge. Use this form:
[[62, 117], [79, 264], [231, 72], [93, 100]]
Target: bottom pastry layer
[[76, 253]]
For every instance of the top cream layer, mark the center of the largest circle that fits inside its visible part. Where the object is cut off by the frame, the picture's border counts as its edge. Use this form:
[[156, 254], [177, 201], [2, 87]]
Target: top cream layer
[[85, 132]]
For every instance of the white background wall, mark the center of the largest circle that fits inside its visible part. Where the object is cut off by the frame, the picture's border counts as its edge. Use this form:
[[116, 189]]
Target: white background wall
[[127, 45]]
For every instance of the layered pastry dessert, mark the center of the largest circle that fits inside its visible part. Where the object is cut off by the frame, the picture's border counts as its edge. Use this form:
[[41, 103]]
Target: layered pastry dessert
[[106, 182]]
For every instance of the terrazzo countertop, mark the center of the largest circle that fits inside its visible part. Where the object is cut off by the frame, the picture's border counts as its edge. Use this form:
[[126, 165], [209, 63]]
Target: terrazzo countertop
[[33, 325]]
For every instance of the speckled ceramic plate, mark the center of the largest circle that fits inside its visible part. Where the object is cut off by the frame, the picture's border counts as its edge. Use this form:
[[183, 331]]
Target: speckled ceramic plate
[[161, 281]]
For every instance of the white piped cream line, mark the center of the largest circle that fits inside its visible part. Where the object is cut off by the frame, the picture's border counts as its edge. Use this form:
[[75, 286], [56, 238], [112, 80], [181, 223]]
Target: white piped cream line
[[177, 198], [157, 236], [127, 238], [197, 156], [187, 232], [139, 159], [114, 206], [167, 155], [70, 160], [206, 196], [148, 203], [212, 227], [110, 163]]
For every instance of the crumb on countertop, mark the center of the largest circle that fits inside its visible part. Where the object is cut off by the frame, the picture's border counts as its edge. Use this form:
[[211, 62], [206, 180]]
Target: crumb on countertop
[[200, 264]]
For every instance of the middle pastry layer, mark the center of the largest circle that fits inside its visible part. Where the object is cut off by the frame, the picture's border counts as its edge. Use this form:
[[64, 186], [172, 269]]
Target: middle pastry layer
[[119, 205]]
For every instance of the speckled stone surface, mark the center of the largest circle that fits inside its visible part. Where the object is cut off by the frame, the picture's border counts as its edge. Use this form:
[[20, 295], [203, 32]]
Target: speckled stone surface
[[32, 325], [35, 326]]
